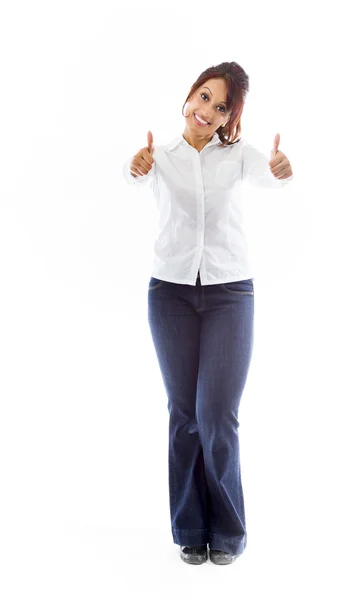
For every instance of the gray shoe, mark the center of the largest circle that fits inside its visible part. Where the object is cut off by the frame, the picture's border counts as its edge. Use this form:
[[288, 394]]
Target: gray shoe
[[194, 555], [218, 557]]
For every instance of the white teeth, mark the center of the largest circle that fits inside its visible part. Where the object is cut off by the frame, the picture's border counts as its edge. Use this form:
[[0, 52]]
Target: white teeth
[[200, 120]]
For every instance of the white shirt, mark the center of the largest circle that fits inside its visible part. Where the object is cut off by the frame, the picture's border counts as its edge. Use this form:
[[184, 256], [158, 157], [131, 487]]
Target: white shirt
[[199, 202]]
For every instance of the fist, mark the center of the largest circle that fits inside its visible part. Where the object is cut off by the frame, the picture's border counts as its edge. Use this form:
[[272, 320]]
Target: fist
[[279, 164], [143, 160]]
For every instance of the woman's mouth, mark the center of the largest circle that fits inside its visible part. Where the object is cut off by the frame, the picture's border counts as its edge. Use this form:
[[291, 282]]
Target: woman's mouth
[[201, 123]]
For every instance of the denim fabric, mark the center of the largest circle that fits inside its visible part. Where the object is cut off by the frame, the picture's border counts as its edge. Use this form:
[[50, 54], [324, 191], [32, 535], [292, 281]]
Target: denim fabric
[[203, 338]]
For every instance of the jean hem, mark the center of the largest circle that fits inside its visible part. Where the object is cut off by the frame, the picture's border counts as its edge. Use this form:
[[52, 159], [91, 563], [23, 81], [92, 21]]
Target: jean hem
[[216, 541], [190, 537], [232, 545]]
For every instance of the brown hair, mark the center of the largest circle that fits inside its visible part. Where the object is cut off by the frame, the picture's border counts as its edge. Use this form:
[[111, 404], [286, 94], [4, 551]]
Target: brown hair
[[237, 82]]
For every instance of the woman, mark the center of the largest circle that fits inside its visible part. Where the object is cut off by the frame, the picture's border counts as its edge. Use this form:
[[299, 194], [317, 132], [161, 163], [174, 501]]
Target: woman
[[201, 305]]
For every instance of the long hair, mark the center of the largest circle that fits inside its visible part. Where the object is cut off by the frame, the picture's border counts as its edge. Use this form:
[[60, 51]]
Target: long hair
[[237, 82]]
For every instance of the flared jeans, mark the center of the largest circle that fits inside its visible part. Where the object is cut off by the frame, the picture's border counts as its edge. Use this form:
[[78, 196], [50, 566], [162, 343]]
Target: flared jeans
[[203, 338]]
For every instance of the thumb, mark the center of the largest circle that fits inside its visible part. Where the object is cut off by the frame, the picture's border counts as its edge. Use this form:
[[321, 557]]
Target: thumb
[[150, 141], [275, 145]]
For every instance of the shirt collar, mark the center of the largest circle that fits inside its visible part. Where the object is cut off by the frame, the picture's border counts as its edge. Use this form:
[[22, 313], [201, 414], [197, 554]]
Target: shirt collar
[[181, 140]]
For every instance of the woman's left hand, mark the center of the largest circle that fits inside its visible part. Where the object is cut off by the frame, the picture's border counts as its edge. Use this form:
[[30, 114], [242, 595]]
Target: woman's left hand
[[279, 164]]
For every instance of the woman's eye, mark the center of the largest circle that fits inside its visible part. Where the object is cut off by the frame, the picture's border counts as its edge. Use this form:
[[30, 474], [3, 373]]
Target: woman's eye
[[222, 107]]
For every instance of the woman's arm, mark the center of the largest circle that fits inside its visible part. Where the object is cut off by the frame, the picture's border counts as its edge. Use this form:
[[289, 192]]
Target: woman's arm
[[256, 169]]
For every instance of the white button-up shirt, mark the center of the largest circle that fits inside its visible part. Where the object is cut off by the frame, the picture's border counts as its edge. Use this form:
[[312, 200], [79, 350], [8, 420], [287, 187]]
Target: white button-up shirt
[[199, 203]]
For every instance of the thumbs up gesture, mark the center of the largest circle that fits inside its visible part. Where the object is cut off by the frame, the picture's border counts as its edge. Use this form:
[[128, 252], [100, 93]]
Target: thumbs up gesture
[[143, 161], [279, 164]]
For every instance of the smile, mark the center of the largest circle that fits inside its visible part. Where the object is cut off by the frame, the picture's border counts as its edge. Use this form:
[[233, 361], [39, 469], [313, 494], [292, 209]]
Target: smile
[[200, 122]]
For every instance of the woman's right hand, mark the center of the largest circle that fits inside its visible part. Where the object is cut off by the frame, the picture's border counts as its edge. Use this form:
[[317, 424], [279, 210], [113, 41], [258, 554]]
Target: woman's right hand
[[142, 162]]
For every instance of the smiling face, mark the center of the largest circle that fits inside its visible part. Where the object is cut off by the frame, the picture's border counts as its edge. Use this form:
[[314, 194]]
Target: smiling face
[[208, 103]]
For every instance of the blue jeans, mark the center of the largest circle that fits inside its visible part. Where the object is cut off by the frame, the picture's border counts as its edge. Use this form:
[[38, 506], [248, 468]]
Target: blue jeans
[[203, 338]]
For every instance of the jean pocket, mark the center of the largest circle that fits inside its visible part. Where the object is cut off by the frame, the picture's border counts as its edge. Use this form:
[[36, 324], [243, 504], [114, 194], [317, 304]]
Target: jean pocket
[[154, 283], [244, 287]]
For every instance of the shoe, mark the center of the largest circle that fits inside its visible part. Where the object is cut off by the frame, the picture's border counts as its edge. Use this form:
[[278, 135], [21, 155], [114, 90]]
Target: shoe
[[194, 555], [218, 557]]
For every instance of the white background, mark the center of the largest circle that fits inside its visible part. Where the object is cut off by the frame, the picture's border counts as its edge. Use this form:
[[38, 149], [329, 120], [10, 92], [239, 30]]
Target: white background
[[84, 422]]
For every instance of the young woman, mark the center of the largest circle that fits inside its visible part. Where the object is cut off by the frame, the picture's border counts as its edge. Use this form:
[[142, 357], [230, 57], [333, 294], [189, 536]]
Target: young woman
[[201, 305]]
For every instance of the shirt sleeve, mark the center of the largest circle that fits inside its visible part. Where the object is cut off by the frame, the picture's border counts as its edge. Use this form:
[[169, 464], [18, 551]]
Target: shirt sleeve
[[139, 179], [256, 169]]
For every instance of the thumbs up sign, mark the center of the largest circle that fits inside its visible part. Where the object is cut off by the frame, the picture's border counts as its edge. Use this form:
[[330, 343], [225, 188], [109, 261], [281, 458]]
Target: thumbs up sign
[[279, 164], [143, 161]]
